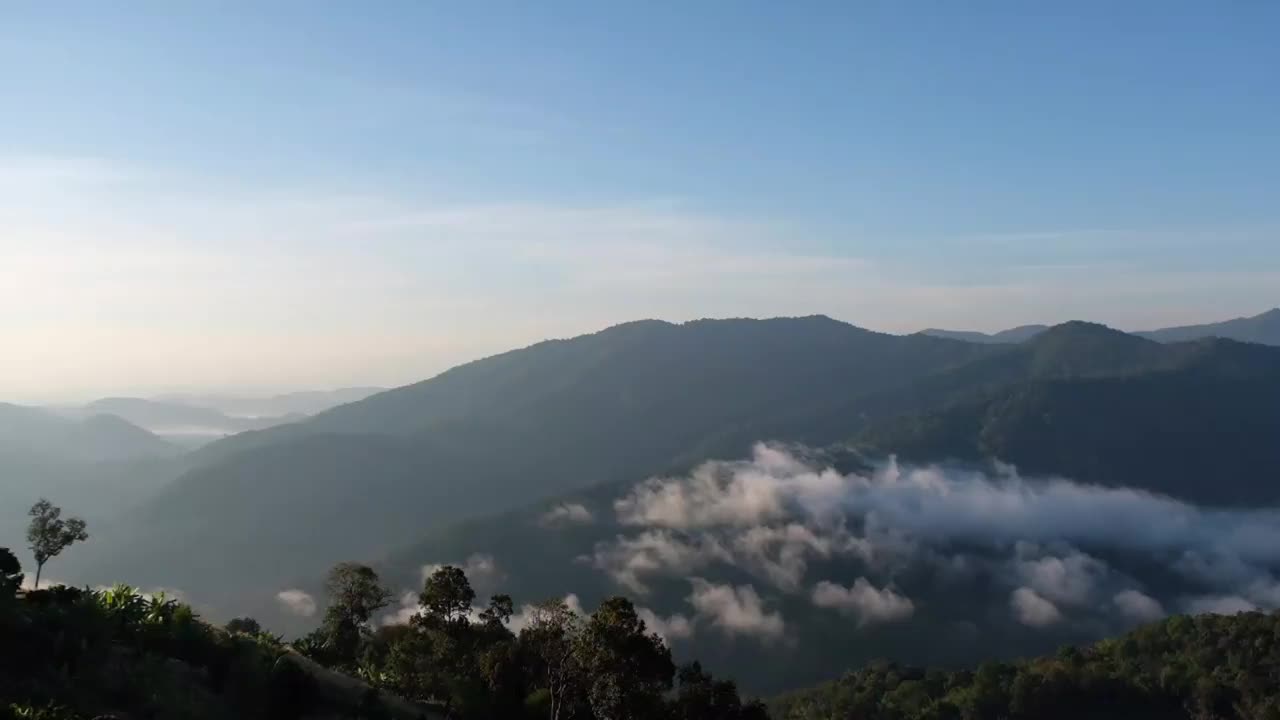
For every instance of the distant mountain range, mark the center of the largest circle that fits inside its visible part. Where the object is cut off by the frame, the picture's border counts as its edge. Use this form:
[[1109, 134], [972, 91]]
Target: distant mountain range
[[95, 437], [1012, 335], [1263, 329], [193, 420], [307, 402], [109, 454], [627, 402], [186, 425], [101, 462]]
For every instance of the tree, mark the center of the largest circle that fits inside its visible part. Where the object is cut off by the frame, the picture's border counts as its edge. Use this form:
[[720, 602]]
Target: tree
[[447, 595], [628, 669], [500, 610], [552, 637], [355, 594], [246, 625], [10, 573], [48, 534], [702, 697]]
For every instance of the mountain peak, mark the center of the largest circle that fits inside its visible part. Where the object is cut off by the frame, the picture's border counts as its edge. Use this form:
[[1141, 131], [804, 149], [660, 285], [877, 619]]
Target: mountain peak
[[1080, 328], [1086, 348]]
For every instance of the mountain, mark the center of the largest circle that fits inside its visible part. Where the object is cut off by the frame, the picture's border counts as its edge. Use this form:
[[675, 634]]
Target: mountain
[[534, 467], [307, 402], [1264, 329], [177, 422], [1012, 335], [100, 463], [1196, 428], [1191, 421], [439, 471], [622, 404], [97, 437]]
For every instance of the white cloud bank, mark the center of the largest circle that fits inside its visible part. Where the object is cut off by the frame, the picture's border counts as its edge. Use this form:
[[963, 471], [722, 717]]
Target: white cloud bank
[[1032, 609], [1051, 542], [864, 600], [568, 514], [735, 610], [297, 602]]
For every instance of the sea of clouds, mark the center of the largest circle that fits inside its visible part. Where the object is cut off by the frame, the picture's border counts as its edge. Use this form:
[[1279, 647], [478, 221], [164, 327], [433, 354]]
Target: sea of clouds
[[781, 522], [1048, 541]]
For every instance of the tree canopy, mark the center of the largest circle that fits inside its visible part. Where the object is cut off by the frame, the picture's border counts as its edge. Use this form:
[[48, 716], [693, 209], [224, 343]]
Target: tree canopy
[[49, 534]]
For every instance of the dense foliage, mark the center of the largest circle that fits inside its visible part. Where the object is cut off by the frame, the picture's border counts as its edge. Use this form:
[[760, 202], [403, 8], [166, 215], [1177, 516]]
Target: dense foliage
[[1207, 667], [67, 653], [469, 663], [1166, 432]]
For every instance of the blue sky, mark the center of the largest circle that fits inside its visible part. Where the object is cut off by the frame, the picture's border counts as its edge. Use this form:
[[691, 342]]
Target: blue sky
[[279, 194]]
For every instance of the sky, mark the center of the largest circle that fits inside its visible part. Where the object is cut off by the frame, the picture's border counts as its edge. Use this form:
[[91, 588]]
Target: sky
[[280, 195]]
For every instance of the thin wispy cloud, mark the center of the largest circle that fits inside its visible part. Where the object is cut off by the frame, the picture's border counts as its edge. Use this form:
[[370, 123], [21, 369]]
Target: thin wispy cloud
[[182, 281]]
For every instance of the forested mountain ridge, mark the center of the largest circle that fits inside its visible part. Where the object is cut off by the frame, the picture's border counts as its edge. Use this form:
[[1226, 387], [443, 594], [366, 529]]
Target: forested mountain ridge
[[1205, 414], [1188, 668], [97, 437], [1263, 328], [1012, 335], [621, 404], [177, 421], [637, 400], [576, 466], [630, 368], [1190, 420]]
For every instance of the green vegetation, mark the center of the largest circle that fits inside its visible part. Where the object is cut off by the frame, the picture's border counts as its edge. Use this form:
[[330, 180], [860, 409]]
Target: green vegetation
[[468, 664], [71, 654], [68, 654], [74, 654], [1167, 431], [424, 468], [49, 534], [1193, 668]]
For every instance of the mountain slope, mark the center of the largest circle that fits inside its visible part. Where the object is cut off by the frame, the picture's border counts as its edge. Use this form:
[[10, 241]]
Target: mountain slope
[[1197, 423], [621, 404], [422, 475], [94, 438], [1018, 334], [1263, 328], [96, 466], [1200, 431], [178, 422], [306, 402]]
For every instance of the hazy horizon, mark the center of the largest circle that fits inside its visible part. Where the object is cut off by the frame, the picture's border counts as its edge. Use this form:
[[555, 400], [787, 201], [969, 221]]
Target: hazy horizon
[[260, 199], [72, 398]]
